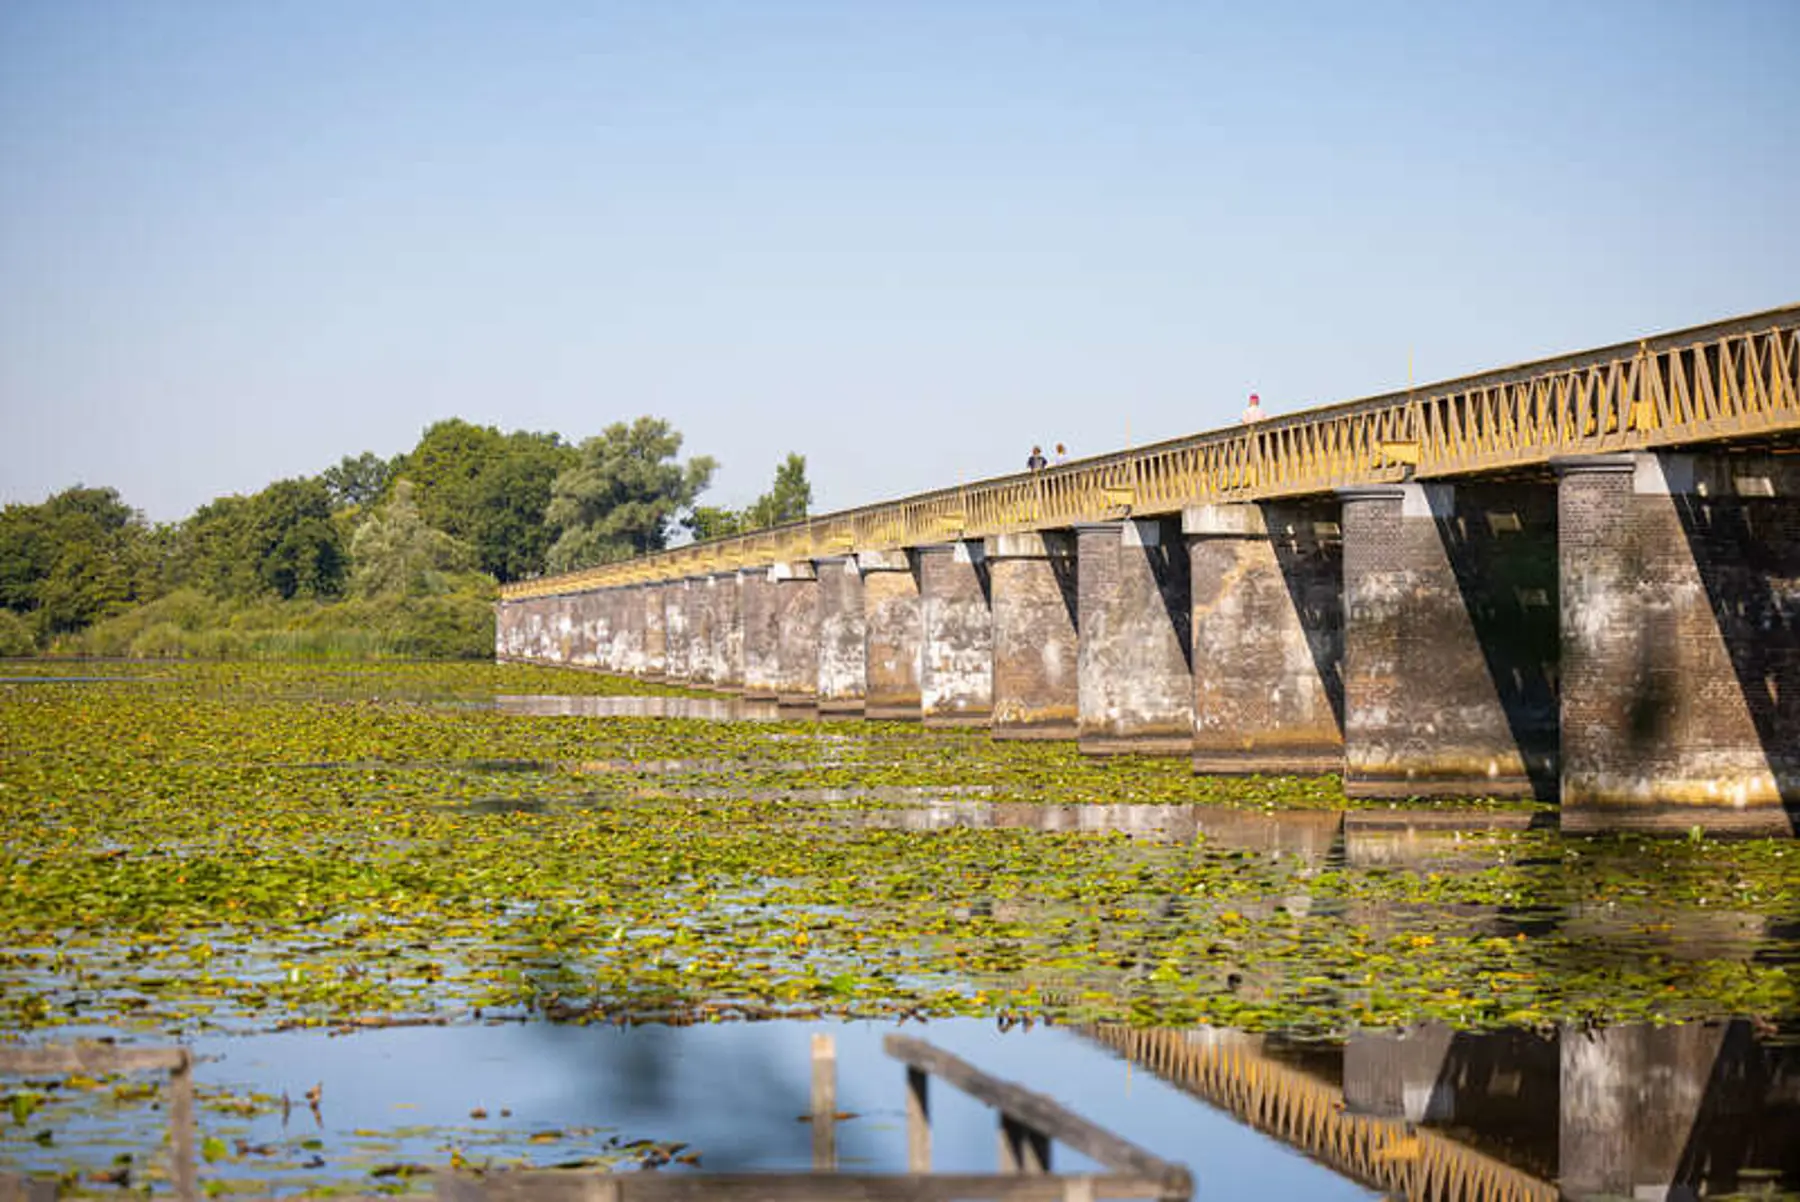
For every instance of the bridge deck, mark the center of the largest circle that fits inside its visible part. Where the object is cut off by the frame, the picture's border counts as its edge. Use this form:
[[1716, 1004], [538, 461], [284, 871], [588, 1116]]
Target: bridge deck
[[1731, 380]]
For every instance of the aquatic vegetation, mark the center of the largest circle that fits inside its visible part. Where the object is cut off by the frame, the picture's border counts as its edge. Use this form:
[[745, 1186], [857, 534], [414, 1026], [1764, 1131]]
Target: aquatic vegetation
[[248, 847]]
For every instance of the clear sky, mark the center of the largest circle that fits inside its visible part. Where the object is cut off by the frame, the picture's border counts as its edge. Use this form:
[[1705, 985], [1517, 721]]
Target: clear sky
[[906, 238]]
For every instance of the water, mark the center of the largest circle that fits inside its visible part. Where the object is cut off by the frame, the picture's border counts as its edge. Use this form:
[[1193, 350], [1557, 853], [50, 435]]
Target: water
[[909, 861]]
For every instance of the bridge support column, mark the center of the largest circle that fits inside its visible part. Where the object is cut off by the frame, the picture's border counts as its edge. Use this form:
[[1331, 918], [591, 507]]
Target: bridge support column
[[628, 637], [1268, 630], [892, 626], [725, 632], [589, 633], [1632, 1101], [761, 610], [1681, 654], [1136, 682], [1449, 641], [956, 677], [843, 646], [656, 643], [677, 631], [796, 587], [1036, 673]]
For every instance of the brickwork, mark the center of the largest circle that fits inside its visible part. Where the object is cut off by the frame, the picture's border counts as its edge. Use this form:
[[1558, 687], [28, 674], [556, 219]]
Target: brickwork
[[956, 645], [1135, 687], [892, 628], [1036, 672], [1681, 636], [1268, 630], [843, 647], [1450, 641]]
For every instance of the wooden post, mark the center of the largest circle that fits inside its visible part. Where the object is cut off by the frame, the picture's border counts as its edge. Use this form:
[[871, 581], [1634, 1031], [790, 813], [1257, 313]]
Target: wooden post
[[1023, 1148], [181, 1129], [918, 1120], [1079, 1188], [824, 1103]]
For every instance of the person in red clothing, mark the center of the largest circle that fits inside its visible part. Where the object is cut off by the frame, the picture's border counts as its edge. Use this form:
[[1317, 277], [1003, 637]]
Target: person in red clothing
[[1253, 411]]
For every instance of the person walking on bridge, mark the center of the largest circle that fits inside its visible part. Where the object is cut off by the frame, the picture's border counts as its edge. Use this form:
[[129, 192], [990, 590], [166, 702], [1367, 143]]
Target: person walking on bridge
[[1037, 462], [1252, 411]]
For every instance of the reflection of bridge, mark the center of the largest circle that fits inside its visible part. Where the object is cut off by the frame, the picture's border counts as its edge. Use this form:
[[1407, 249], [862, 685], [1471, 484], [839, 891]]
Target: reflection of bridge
[[1429, 1113], [1574, 579]]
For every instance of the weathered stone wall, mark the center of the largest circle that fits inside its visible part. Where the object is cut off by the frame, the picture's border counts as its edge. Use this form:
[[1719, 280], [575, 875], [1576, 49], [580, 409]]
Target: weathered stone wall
[[797, 634], [1268, 631], [843, 649], [1450, 641], [1681, 642], [728, 631], [1136, 685], [1036, 672], [892, 622], [655, 662], [761, 609], [704, 614], [676, 631], [956, 676]]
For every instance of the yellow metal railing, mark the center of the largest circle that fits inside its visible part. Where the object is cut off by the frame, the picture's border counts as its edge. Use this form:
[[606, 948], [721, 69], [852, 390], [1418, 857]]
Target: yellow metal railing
[[1732, 379], [1390, 1155]]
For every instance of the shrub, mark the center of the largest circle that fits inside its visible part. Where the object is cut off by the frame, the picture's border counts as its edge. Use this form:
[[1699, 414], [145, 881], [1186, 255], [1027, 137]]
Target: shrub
[[15, 635]]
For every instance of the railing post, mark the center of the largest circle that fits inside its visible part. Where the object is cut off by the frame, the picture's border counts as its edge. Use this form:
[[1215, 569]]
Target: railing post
[[1023, 1148], [824, 1103], [918, 1120]]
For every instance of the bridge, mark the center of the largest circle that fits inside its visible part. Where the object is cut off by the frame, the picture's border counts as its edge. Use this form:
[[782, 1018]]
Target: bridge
[[1576, 580]]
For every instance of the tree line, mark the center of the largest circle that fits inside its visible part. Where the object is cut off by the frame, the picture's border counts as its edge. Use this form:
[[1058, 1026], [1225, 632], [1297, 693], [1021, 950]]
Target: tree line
[[370, 556]]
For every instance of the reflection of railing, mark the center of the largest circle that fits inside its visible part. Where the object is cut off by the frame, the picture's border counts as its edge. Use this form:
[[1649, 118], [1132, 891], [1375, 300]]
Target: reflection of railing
[[1308, 1114], [1028, 1122], [101, 1060], [1733, 379]]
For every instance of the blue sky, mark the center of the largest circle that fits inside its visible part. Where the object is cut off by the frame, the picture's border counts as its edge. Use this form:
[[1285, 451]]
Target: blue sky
[[906, 239]]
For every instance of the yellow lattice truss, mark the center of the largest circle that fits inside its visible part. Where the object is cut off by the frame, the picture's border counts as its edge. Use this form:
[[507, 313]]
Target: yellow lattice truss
[[1733, 380], [1305, 1113]]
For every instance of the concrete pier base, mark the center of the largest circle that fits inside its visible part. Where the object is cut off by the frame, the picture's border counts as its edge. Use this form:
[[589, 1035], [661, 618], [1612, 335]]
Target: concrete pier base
[[1036, 670], [761, 608], [796, 588], [843, 634], [1268, 631], [956, 650], [725, 630], [1135, 675], [1450, 641], [676, 632], [892, 627], [1680, 582], [655, 652]]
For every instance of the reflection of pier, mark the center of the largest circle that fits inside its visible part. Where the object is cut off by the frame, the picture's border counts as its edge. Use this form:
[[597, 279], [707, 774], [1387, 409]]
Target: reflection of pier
[[1428, 1113]]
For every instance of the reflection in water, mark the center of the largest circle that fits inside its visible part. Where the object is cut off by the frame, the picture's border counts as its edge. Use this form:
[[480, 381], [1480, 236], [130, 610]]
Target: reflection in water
[[1426, 1113], [715, 709]]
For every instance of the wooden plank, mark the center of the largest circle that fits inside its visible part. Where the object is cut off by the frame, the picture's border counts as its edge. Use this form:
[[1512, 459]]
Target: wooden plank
[[15, 1187], [548, 1186], [89, 1059], [183, 1172], [1042, 1113], [1023, 1148]]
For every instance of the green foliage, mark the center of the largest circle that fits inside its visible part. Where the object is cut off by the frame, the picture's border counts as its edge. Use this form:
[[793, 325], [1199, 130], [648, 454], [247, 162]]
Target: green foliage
[[713, 521], [787, 499], [489, 490], [395, 553], [356, 482], [80, 556], [297, 549], [15, 635], [621, 497]]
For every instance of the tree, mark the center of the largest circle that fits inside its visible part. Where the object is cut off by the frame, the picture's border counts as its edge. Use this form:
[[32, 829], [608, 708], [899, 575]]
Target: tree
[[297, 550], [395, 553], [489, 490], [622, 495], [356, 482], [713, 521], [787, 499], [81, 556]]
